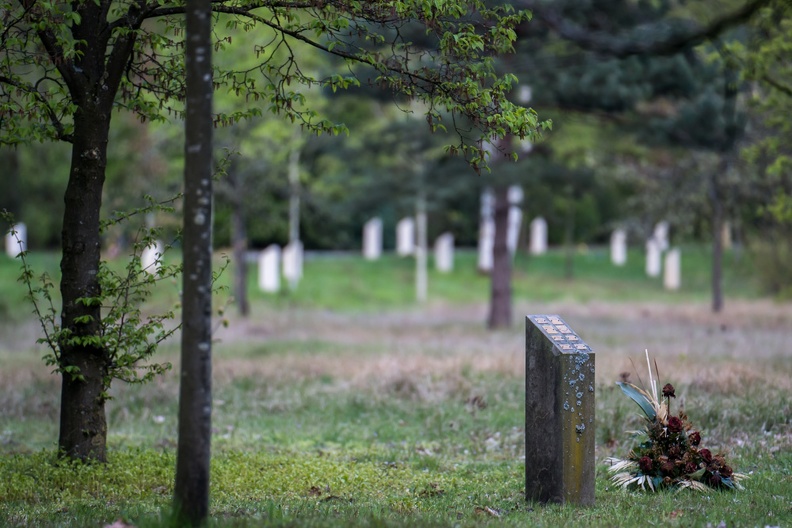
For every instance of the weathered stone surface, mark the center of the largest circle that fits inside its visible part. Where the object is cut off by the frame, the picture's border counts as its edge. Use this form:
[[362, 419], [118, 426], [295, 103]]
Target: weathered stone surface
[[559, 413]]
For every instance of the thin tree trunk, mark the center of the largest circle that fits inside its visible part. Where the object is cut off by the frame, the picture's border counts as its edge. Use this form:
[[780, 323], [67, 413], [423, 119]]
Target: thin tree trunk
[[500, 315], [83, 426], [9, 157], [191, 492], [716, 204], [569, 240], [239, 241]]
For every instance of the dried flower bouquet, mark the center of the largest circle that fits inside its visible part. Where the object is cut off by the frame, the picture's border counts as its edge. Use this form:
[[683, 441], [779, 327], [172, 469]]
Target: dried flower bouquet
[[669, 452]]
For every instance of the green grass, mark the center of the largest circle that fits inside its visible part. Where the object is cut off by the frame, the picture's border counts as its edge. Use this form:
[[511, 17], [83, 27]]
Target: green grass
[[346, 282], [347, 404], [328, 458]]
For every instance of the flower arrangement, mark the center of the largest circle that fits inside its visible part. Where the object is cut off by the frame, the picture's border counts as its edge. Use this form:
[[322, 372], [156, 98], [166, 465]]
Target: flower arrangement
[[669, 454]]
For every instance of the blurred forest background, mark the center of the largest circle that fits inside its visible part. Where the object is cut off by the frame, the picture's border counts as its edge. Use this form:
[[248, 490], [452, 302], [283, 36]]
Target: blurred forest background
[[695, 137]]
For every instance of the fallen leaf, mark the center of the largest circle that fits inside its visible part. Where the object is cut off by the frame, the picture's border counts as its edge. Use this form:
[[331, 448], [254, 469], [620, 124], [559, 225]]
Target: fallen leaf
[[486, 510]]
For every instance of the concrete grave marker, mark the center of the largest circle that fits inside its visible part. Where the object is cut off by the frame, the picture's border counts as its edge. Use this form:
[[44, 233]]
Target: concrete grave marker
[[538, 236], [515, 218], [269, 269], [151, 257], [661, 235], [486, 238], [405, 237], [293, 263], [618, 247], [672, 277], [559, 413], [444, 253], [16, 243], [653, 253], [372, 239]]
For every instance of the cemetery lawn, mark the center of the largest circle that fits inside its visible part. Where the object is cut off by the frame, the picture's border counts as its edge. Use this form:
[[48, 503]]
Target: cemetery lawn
[[346, 404]]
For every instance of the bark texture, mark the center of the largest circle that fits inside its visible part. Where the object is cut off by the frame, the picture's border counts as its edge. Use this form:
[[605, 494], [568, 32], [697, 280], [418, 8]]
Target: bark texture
[[191, 492], [83, 426], [716, 203], [500, 309], [239, 240]]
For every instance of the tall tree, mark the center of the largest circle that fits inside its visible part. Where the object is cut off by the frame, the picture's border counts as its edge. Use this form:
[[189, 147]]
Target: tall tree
[[191, 492], [67, 66]]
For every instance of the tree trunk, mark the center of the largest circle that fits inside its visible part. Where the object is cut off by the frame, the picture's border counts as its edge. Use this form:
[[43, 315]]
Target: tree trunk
[[191, 492], [239, 240], [9, 157], [83, 426], [500, 315], [569, 240], [716, 203]]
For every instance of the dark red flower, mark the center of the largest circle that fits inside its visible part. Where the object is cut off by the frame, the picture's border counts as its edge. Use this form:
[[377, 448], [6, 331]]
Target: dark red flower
[[668, 467], [690, 467], [714, 480], [674, 424], [668, 391], [645, 463], [726, 471], [706, 455], [694, 438]]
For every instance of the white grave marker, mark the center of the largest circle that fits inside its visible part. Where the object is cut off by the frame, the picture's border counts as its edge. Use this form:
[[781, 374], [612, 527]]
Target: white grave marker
[[672, 278], [151, 258], [268, 268], [618, 247], [538, 236], [372, 239], [16, 243], [293, 263], [661, 235], [486, 239], [405, 237], [515, 218], [444, 253], [653, 253]]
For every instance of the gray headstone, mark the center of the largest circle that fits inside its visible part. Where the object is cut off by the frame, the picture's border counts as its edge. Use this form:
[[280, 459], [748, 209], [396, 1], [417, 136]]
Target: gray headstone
[[372, 239], [269, 269], [559, 413], [16, 240]]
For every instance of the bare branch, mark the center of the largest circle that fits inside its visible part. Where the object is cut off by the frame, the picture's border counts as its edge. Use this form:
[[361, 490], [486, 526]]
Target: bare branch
[[53, 116], [661, 39]]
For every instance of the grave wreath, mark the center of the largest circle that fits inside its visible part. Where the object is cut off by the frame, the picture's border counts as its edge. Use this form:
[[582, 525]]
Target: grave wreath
[[669, 453]]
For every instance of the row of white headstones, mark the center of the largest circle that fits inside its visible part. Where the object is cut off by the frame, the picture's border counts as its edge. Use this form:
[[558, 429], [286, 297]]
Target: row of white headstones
[[659, 256]]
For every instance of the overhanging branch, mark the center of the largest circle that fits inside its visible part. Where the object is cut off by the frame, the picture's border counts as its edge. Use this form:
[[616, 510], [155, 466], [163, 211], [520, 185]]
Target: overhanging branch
[[662, 39]]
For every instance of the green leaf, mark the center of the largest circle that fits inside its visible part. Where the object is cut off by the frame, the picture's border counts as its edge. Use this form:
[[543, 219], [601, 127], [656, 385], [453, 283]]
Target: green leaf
[[641, 397]]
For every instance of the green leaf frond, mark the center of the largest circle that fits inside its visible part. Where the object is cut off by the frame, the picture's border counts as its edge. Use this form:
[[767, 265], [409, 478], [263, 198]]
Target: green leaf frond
[[648, 404]]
